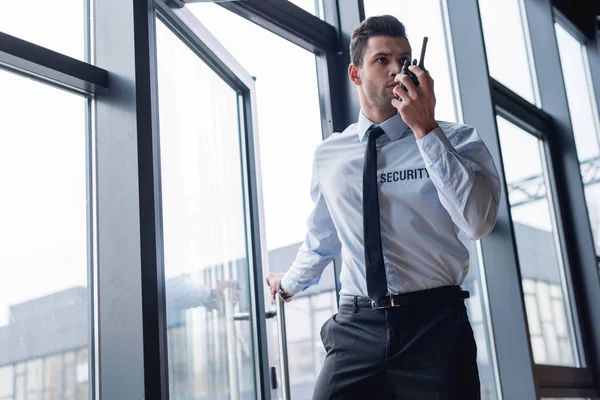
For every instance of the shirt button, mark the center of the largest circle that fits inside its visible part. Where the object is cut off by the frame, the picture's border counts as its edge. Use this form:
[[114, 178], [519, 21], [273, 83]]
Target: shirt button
[[428, 148], [445, 179]]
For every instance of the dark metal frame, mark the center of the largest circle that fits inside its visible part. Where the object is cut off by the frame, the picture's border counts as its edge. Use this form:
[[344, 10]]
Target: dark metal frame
[[156, 379], [519, 111], [37, 62], [132, 346], [507, 308], [288, 21]]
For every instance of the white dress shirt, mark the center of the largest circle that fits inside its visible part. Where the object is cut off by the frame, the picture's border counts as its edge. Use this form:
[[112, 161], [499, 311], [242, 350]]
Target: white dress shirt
[[429, 189]]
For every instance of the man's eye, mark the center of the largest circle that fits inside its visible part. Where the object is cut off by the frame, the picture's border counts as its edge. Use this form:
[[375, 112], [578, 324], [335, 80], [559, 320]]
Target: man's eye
[[381, 60], [403, 59]]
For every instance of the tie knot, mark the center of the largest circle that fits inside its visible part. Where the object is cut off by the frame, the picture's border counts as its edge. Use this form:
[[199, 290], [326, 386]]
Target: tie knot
[[374, 132]]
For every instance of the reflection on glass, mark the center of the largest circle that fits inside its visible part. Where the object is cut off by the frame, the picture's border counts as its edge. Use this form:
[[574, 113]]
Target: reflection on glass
[[546, 298], [43, 235], [288, 118], [37, 22], [506, 46], [586, 127], [206, 266], [424, 18], [46, 378]]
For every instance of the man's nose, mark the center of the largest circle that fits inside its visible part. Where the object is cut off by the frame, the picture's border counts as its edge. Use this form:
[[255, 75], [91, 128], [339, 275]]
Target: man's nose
[[395, 68]]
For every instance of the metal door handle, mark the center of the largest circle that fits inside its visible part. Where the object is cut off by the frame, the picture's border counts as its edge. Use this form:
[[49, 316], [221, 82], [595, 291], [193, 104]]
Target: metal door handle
[[246, 316], [283, 353]]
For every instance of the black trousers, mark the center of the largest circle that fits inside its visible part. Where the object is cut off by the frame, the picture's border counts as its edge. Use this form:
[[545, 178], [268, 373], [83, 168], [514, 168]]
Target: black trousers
[[411, 352]]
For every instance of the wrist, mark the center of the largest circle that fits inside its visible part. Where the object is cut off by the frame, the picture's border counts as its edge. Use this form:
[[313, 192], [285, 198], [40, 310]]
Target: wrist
[[422, 130], [282, 292]]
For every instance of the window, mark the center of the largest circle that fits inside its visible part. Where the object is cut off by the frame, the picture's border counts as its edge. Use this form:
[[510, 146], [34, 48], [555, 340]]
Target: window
[[426, 18], [206, 264], [307, 314], [44, 233], [547, 302], [38, 22], [584, 118], [507, 46]]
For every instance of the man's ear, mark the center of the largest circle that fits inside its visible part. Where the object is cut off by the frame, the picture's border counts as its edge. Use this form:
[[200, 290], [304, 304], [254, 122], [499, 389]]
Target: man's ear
[[354, 74]]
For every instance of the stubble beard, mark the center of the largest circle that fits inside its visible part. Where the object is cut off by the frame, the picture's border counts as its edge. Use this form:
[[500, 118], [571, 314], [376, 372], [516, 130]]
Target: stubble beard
[[380, 100]]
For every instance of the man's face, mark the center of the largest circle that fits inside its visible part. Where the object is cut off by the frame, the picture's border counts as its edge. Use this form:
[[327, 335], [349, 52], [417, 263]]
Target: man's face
[[383, 60]]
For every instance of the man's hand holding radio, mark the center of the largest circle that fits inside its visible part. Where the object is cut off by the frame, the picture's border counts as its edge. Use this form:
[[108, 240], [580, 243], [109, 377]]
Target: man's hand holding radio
[[416, 104]]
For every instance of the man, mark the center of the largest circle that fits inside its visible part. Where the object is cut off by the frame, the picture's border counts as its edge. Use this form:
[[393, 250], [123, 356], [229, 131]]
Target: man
[[391, 193]]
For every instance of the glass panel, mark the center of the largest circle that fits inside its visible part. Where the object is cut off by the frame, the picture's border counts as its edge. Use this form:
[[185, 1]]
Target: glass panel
[[205, 254], [283, 126], [58, 25], [425, 18], [315, 7], [586, 127], [477, 307], [54, 377], [20, 387], [6, 382], [546, 297], [35, 381], [44, 233], [506, 45], [70, 371], [82, 374]]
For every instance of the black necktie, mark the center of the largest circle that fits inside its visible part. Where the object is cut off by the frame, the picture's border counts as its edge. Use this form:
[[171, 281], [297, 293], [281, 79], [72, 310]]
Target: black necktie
[[375, 268]]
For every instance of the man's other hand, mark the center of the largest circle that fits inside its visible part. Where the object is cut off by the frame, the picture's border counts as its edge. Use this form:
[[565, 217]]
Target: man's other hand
[[229, 288]]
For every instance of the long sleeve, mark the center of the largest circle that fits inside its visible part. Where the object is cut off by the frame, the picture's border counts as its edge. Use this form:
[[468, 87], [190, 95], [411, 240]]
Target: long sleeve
[[182, 293], [321, 244], [465, 177]]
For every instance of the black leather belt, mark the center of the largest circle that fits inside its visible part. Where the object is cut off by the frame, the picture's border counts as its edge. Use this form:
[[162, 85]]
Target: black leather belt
[[440, 295]]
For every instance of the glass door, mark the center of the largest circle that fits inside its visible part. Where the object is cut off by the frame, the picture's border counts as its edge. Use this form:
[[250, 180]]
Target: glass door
[[211, 216], [290, 127]]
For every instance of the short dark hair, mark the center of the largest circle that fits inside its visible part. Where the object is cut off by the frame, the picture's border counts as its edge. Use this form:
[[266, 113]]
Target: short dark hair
[[384, 25]]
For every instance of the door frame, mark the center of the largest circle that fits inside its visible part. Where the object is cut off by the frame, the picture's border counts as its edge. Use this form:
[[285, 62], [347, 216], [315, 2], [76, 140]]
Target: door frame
[[197, 37]]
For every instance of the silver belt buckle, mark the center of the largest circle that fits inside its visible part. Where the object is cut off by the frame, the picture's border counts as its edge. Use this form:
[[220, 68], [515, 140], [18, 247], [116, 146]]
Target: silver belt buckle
[[374, 307], [392, 304]]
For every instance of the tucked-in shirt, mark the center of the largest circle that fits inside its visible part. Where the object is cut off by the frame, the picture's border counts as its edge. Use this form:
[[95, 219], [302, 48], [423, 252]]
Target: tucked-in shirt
[[430, 189]]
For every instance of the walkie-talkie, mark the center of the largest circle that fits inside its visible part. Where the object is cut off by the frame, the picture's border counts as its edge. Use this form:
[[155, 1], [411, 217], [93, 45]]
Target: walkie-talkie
[[405, 69]]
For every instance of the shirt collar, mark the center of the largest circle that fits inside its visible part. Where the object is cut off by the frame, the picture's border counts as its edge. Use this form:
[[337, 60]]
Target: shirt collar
[[394, 127]]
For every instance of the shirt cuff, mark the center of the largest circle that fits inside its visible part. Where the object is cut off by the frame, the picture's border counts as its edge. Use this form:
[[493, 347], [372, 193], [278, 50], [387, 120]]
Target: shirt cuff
[[289, 285], [433, 145]]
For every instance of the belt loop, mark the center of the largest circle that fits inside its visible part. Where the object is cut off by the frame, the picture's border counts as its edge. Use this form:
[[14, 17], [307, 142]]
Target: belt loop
[[355, 304]]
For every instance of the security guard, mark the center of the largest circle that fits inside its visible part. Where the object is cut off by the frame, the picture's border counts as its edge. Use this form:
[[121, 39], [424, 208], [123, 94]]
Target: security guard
[[391, 193]]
